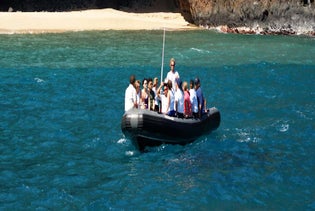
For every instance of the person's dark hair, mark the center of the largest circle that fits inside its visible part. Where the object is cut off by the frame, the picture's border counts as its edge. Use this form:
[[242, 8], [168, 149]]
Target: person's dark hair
[[144, 80], [197, 81], [132, 79], [192, 83], [169, 84], [149, 80], [179, 83]]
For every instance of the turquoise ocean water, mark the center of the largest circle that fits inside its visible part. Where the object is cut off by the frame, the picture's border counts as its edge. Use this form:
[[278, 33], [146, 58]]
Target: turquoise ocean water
[[62, 99]]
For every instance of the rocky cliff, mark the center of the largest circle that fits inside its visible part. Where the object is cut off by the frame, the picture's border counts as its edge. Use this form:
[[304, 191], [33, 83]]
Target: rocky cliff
[[263, 16]]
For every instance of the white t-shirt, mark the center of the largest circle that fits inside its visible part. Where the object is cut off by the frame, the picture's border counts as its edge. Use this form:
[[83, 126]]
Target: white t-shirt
[[172, 76], [130, 97], [172, 100], [193, 100], [138, 98], [156, 97], [179, 97], [164, 102]]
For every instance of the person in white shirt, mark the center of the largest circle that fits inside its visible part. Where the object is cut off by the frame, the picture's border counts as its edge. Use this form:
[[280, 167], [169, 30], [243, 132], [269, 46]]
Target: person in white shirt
[[171, 93], [131, 94], [172, 74], [165, 98], [179, 99]]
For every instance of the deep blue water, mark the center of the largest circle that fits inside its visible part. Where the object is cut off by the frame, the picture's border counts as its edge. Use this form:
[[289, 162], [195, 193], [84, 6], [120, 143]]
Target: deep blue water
[[61, 102]]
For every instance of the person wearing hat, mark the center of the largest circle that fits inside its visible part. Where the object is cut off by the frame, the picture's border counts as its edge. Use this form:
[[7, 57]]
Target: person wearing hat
[[179, 98], [200, 98]]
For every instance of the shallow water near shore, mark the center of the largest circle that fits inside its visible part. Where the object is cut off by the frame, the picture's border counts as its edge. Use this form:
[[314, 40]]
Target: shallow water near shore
[[62, 99]]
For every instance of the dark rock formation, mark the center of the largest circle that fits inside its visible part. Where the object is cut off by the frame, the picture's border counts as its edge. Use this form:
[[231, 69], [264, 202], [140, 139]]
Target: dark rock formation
[[265, 16], [270, 16]]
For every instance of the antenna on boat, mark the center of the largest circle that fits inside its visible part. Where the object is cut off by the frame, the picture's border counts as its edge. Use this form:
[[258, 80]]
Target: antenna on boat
[[163, 56]]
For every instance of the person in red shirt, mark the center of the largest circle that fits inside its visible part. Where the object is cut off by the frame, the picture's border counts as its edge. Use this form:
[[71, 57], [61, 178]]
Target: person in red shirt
[[187, 103]]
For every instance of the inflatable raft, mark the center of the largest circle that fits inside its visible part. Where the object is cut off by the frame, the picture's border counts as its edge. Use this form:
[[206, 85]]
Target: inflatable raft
[[149, 128]]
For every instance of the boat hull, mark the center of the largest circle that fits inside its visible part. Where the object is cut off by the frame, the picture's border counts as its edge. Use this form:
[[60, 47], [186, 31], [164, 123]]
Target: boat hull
[[148, 128]]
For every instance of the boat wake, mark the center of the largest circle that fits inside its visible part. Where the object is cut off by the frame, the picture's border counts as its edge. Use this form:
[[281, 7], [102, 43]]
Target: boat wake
[[125, 142], [200, 50]]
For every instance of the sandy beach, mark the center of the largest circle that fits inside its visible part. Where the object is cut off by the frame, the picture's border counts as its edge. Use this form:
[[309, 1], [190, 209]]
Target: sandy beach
[[101, 19]]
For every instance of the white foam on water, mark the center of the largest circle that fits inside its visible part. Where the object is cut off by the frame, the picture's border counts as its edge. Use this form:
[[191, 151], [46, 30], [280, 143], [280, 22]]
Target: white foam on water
[[281, 126], [200, 50], [129, 153], [303, 115], [247, 136], [39, 80], [284, 127], [122, 141]]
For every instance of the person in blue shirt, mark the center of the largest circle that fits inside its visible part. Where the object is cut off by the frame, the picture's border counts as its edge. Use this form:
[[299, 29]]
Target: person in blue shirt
[[200, 98]]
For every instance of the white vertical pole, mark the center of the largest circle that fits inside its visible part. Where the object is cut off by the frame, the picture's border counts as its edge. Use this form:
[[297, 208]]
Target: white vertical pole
[[162, 56]]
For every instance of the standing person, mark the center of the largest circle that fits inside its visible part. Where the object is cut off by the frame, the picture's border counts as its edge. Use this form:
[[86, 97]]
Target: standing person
[[172, 74], [200, 98], [171, 94], [138, 90], [151, 104], [165, 98], [193, 99], [156, 99], [187, 103], [144, 94], [131, 94], [179, 99]]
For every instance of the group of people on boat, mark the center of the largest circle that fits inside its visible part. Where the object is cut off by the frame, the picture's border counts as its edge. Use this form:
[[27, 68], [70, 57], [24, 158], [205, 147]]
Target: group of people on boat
[[172, 97]]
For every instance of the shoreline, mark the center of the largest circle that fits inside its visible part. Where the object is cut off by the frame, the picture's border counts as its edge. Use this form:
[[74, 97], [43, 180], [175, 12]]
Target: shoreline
[[111, 19], [261, 31], [89, 20]]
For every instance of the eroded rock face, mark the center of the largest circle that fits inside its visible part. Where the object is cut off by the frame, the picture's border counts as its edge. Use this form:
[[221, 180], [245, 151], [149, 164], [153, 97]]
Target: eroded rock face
[[271, 15]]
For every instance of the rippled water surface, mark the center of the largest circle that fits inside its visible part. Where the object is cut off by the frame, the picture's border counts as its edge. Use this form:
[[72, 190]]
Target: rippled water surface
[[61, 102]]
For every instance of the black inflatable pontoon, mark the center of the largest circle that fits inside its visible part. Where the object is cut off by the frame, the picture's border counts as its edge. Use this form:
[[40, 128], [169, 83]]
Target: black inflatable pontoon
[[149, 128]]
